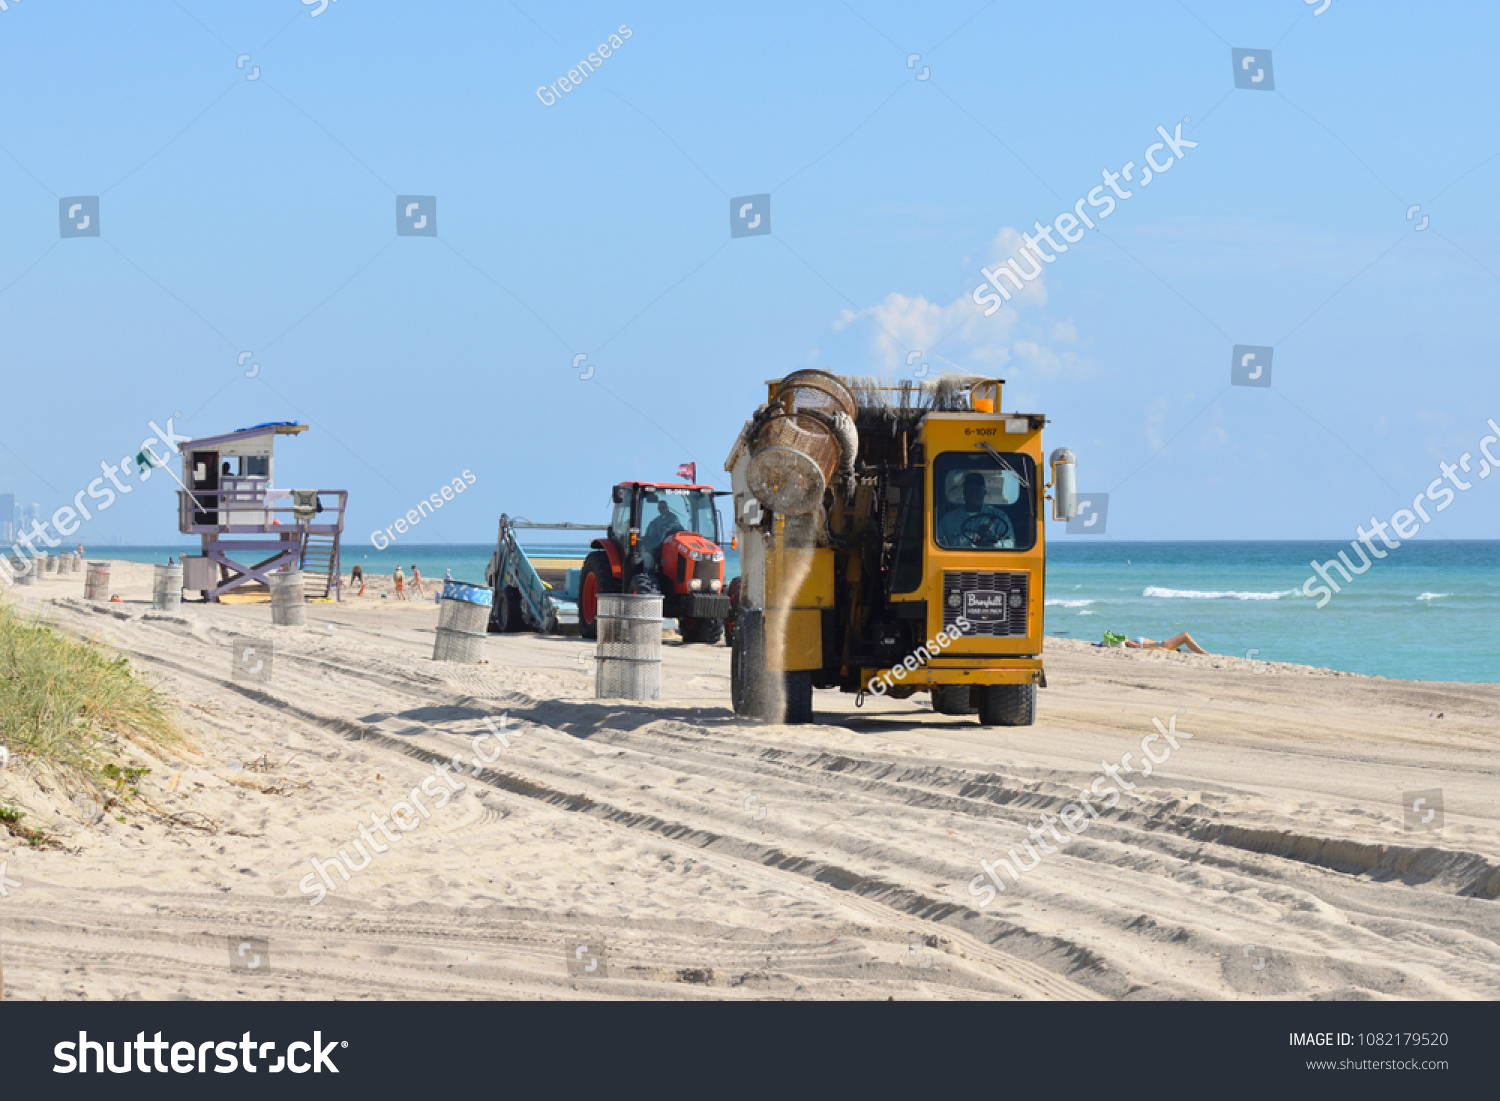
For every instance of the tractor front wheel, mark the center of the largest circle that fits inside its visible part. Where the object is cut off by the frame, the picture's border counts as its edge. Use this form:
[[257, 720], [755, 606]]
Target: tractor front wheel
[[701, 630], [597, 578]]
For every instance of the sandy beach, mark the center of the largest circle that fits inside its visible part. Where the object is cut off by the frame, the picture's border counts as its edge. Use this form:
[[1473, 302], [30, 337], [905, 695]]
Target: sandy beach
[[688, 854]]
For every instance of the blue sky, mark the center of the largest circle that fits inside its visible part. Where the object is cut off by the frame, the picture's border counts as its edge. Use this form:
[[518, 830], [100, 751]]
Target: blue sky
[[259, 215]]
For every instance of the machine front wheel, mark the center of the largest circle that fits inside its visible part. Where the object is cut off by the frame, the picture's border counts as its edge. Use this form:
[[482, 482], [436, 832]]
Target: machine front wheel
[[747, 665], [799, 697]]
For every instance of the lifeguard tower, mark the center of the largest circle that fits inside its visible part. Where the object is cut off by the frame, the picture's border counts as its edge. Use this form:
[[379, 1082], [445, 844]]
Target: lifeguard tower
[[249, 527]]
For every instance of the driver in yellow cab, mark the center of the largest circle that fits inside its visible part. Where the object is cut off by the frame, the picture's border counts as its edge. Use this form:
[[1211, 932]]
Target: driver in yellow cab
[[974, 523]]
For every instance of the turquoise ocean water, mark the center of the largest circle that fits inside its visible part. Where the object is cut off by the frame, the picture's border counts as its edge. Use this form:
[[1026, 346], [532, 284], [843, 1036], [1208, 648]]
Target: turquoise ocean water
[[1427, 611]]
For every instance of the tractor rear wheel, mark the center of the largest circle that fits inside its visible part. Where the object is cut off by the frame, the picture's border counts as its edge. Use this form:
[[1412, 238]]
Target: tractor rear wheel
[[1007, 704], [701, 630], [597, 578]]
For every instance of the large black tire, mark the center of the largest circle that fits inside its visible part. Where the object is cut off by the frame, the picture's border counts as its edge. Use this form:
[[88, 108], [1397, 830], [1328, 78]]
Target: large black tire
[[596, 573], [1007, 705], [747, 666], [701, 630], [952, 699], [733, 593], [799, 696], [507, 612]]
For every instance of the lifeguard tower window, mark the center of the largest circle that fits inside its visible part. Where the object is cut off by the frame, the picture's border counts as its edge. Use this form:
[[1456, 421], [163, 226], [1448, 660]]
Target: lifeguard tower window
[[205, 471], [255, 466]]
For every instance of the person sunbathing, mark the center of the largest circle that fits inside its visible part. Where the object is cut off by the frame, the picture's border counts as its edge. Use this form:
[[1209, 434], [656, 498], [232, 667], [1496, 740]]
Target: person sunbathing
[[1176, 642]]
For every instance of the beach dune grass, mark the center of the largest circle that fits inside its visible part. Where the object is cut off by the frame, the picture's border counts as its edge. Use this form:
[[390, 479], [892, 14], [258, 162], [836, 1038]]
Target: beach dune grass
[[72, 707]]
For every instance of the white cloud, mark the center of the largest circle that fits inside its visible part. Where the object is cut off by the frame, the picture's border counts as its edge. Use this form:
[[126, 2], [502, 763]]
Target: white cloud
[[958, 334]]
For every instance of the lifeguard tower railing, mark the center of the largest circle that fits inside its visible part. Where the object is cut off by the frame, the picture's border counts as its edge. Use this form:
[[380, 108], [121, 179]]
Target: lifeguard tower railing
[[229, 519]]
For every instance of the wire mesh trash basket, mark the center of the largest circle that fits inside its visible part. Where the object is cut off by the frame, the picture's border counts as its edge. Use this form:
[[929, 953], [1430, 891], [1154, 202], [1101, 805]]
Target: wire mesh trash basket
[[463, 622], [627, 655]]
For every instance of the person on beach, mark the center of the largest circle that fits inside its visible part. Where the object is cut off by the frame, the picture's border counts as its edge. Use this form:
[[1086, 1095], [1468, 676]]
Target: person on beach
[[447, 575], [357, 577], [1176, 642], [400, 584], [416, 581]]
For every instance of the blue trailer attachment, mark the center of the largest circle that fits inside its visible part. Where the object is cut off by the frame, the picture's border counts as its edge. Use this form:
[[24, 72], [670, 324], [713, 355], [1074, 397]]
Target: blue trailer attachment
[[538, 594]]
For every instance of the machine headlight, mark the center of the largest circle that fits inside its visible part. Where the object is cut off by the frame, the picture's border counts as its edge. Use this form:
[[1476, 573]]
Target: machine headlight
[[695, 584], [716, 584], [718, 556], [695, 556]]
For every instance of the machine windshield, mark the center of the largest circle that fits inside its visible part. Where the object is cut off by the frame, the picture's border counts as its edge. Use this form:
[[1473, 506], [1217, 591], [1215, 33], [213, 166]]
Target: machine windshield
[[664, 511], [984, 501]]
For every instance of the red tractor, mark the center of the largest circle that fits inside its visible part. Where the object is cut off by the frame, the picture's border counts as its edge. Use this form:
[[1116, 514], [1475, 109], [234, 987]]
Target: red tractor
[[663, 538]]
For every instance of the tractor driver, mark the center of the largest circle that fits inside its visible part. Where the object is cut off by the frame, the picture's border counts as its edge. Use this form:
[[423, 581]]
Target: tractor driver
[[657, 531], [974, 524]]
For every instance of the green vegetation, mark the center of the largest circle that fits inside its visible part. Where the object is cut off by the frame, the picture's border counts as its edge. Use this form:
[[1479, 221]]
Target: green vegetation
[[72, 708]]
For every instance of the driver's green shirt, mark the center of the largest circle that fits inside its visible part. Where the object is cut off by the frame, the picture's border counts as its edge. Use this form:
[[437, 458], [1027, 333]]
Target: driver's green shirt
[[950, 527]]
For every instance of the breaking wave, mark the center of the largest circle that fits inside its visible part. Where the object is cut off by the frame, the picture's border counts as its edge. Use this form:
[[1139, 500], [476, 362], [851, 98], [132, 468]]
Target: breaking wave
[[1069, 603], [1201, 594], [1433, 596]]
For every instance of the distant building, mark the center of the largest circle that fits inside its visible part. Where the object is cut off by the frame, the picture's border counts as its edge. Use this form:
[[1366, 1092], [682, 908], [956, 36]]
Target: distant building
[[8, 518]]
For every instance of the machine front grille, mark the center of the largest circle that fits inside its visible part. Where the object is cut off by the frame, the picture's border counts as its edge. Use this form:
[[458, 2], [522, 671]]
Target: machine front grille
[[995, 604]]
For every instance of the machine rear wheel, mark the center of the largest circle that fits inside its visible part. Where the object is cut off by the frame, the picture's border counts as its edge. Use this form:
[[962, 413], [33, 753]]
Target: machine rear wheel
[[597, 578], [952, 699], [1007, 704], [701, 630]]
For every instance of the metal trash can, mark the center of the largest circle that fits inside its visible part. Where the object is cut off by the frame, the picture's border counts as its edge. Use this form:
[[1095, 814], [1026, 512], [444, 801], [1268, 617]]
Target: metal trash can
[[24, 571], [166, 588], [96, 581], [463, 622], [288, 599], [627, 655], [49, 563], [75, 562]]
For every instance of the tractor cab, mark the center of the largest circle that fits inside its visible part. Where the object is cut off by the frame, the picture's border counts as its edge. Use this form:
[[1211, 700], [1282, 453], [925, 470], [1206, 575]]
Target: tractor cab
[[662, 538]]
